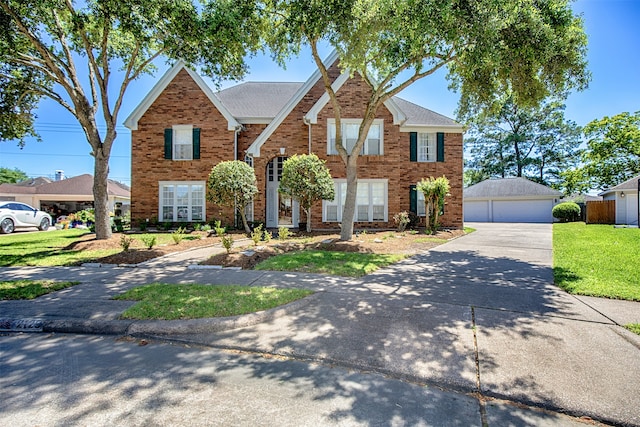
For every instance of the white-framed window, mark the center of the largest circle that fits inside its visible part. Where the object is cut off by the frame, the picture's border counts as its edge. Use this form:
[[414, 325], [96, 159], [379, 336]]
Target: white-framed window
[[248, 160], [373, 146], [182, 201], [371, 201], [182, 142], [427, 146]]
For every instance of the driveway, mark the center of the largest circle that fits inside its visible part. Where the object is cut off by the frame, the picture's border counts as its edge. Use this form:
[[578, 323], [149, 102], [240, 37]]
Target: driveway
[[478, 313]]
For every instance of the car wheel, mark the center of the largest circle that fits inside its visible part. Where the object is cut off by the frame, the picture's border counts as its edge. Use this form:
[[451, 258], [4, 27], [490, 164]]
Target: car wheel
[[6, 226], [44, 224]]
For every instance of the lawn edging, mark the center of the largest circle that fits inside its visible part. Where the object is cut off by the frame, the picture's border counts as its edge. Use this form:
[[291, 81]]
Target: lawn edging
[[143, 328]]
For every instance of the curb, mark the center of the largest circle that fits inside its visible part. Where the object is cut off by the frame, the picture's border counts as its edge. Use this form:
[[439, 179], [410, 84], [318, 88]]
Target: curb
[[150, 327]]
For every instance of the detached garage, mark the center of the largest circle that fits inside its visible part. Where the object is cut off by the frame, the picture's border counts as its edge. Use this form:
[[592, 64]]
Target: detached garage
[[509, 200]]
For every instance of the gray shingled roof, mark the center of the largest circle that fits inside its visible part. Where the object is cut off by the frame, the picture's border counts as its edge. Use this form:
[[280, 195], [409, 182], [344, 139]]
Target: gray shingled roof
[[630, 184], [257, 99], [263, 100], [78, 185], [509, 187], [417, 115]]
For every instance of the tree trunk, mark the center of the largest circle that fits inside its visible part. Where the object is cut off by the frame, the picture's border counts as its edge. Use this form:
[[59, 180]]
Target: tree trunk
[[349, 210], [244, 221], [308, 212], [100, 195]]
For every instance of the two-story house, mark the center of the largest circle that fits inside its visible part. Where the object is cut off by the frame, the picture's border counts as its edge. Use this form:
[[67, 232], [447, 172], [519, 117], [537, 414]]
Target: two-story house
[[181, 129]]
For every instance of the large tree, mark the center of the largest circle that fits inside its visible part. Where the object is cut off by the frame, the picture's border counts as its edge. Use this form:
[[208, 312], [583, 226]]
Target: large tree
[[11, 176], [534, 142], [84, 54], [612, 155], [529, 47]]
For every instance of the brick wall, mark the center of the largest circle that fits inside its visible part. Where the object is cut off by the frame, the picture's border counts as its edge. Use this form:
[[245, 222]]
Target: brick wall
[[183, 102]]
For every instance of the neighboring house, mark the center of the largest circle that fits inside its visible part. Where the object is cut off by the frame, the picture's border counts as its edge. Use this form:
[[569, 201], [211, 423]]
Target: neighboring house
[[181, 129], [509, 200], [66, 195], [626, 197]]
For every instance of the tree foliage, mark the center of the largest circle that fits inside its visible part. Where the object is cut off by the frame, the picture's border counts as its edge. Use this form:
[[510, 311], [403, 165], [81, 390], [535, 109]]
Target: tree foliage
[[84, 54], [11, 176], [232, 184], [530, 48], [533, 142], [612, 155], [435, 191], [306, 179]]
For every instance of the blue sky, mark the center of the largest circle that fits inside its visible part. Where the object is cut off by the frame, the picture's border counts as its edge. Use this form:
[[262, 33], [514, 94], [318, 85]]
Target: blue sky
[[614, 61]]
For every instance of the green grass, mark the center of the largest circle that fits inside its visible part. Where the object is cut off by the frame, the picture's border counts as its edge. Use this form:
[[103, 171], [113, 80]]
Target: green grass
[[468, 230], [351, 264], [30, 289], [48, 248], [429, 240], [45, 249], [597, 260], [172, 302], [633, 327]]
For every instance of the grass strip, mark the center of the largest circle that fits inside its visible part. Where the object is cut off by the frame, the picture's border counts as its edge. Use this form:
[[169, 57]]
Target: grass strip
[[172, 302], [597, 260], [30, 289], [349, 264]]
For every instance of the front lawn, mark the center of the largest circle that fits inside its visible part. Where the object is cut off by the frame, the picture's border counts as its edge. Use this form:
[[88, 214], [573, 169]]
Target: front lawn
[[597, 260], [172, 302], [353, 264], [30, 289]]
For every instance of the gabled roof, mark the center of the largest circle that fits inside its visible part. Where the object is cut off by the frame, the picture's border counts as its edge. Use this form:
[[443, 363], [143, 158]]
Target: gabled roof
[[254, 148], [132, 121], [628, 185], [253, 102], [514, 187], [81, 185], [418, 116]]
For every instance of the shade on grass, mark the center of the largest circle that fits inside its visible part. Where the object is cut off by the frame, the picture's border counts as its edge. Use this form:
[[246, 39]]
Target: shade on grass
[[172, 302], [351, 264], [30, 289], [597, 260]]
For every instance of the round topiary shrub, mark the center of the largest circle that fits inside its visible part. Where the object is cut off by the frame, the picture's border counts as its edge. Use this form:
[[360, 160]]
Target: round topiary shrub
[[566, 211]]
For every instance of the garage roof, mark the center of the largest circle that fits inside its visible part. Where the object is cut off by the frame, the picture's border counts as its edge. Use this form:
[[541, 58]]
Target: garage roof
[[630, 184], [512, 188]]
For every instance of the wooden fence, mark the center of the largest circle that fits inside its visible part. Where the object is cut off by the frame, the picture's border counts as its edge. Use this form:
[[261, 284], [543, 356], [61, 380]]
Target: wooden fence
[[601, 212]]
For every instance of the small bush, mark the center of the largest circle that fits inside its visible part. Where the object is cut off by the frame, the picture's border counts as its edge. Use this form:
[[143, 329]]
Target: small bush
[[402, 220], [414, 220], [197, 226], [125, 242], [566, 211], [227, 242], [206, 227], [149, 241], [266, 236], [178, 235], [142, 225], [166, 226], [256, 235], [283, 233], [220, 230]]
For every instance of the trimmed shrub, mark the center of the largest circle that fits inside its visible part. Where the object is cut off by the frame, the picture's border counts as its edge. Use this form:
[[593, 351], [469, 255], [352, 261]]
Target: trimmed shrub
[[566, 211]]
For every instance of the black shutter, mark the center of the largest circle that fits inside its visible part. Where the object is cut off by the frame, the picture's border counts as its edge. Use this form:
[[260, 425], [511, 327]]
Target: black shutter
[[413, 146], [168, 144], [413, 199], [440, 148], [196, 143]]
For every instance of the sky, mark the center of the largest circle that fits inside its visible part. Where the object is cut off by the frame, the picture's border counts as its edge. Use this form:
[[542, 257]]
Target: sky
[[612, 27]]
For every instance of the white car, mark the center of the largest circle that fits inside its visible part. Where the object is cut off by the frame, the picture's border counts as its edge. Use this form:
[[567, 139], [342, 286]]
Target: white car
[[17, 215]]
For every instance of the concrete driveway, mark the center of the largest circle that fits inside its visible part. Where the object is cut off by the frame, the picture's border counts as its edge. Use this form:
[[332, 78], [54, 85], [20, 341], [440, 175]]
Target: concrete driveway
[[477, 314]]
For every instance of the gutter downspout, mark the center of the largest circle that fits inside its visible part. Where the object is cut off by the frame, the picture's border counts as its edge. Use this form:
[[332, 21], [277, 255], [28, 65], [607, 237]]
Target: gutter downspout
[[235, 157], [308, 123]]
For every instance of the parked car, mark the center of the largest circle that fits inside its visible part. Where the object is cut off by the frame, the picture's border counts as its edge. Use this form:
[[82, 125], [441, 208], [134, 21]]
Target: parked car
[[18, 215]]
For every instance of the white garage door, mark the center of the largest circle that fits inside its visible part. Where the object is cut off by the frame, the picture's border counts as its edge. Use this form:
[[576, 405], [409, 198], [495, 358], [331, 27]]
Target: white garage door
[[522, 211], [476, 211]]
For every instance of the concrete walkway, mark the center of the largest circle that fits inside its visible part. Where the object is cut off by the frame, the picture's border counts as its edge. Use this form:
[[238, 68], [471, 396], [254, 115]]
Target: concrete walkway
[[478, 314]]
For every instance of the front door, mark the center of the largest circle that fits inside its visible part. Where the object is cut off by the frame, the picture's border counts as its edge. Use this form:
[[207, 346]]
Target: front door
[[281, 211]]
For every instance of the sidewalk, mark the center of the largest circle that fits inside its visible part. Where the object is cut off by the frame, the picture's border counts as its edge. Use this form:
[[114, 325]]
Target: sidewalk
[[476, 314]]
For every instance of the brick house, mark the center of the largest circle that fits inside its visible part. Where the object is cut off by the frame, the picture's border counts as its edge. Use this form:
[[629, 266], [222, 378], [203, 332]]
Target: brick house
[[181, 129]]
